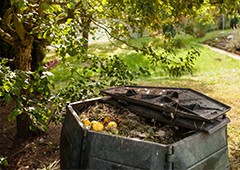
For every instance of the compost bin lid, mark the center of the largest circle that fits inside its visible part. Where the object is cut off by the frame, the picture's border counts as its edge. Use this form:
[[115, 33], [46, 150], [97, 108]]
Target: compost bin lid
[[180, 106]]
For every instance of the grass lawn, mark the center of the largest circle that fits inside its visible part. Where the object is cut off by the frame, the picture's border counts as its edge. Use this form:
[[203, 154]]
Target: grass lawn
[[214, 74]]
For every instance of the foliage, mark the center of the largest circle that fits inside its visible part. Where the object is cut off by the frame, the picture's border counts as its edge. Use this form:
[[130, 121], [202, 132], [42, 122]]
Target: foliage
[[234, 22], [201, 23], [234, 43], [3, 162], [175, 66], [31, 91], [98, 73]]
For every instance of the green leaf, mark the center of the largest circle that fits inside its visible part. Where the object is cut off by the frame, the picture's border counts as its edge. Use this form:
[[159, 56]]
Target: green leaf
[[85, 3], [31, 90], [12, 2], [71, 5], [3, 162], [7, 86], [12, 116], [45, 35], [20, 4], [43, 124], [2, 93], [8, 98]]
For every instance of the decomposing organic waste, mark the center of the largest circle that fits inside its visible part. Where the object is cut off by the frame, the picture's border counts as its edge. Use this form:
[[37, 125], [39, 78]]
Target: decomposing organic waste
[[106, 118]]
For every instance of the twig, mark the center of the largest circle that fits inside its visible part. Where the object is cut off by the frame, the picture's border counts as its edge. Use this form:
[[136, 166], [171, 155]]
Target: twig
[[6, 37], [18, 152], [118, 39]]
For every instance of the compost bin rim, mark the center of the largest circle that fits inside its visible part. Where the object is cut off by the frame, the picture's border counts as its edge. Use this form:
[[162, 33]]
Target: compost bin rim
[[101, 99]]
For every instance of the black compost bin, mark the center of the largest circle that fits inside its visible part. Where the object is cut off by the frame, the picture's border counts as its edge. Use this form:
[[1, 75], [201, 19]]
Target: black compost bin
[[206, 148]]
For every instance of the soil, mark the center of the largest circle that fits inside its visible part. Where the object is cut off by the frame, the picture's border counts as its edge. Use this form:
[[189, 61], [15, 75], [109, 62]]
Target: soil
[[41, 151]]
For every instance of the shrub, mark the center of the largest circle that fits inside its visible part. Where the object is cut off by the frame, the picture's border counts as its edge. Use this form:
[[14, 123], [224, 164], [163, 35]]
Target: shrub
[[234, 43], [31, 91]]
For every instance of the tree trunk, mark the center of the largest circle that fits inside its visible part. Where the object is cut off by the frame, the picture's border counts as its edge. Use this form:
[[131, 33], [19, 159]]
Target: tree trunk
[[38, 54], [23, 55], [23, 62], [85, 35], [23, 130], [21, 51], [223, 22], [86, 21]]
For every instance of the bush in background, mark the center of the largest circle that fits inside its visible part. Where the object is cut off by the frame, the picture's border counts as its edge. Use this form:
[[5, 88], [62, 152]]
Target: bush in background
[[234, 42]]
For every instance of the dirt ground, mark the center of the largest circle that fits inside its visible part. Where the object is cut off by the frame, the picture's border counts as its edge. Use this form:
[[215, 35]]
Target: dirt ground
[[36, 153]]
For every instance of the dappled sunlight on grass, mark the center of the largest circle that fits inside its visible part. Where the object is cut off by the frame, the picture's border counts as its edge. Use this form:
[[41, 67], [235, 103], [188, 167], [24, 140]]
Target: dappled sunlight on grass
[[107, 48], [135, 60], [117, 47]]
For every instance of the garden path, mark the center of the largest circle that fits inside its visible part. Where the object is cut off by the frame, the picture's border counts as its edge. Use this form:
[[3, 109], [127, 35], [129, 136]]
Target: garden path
[[235, 56]]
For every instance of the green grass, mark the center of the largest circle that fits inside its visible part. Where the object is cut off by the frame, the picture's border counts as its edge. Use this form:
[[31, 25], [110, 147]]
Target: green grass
[[214, 74], [211, 62], [214, 34]]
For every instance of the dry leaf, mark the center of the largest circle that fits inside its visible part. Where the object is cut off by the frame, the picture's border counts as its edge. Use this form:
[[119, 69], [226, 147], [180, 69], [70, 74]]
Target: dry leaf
[[161, 133]]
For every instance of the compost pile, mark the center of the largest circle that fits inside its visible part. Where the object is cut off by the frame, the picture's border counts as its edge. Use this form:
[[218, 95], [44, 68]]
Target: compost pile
[[107, 118]]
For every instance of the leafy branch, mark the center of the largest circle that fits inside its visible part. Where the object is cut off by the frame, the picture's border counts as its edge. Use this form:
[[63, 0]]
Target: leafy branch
[[175, 66], [31, 92]]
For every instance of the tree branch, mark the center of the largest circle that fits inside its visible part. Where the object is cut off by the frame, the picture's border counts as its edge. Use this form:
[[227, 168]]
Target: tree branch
[[6, 37], [116, 38]]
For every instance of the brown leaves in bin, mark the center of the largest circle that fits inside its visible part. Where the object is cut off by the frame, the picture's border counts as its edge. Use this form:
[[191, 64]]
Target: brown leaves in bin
[[131, 125]]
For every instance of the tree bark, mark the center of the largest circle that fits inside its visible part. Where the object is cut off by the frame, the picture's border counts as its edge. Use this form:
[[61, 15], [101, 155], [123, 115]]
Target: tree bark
[[23, 62], [86, 21], [85, 35], [223, 22], [23, 130], [38, 54], [23, 55]]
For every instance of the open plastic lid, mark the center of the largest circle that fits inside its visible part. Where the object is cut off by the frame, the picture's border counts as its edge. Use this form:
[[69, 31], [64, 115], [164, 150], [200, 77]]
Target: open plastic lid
[[179, 105]]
